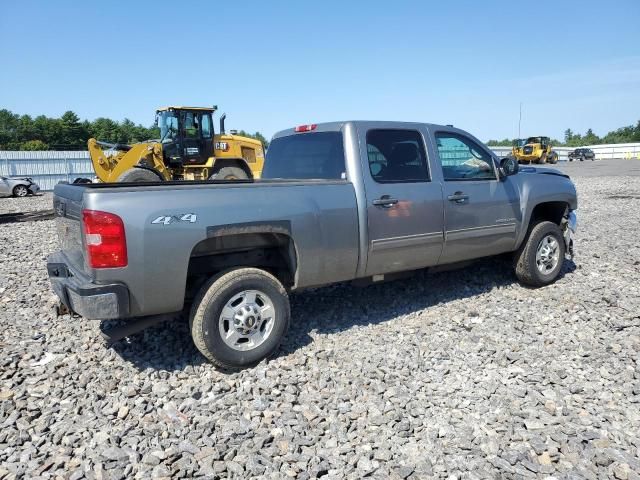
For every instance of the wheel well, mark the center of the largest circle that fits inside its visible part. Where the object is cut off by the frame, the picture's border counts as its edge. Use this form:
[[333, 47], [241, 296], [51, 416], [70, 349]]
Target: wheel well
[[232, 162], [551, 211], [273, 252]]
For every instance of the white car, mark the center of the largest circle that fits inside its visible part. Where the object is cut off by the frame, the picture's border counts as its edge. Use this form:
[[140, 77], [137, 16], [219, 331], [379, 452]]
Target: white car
[[18, 186]]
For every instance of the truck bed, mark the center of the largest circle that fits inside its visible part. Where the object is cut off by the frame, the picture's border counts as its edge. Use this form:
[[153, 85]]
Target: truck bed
[[326, 245]]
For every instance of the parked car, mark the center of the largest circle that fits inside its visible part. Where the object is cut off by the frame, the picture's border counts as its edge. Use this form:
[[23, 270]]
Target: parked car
[[582, 154], [337, 202], [18, 186]]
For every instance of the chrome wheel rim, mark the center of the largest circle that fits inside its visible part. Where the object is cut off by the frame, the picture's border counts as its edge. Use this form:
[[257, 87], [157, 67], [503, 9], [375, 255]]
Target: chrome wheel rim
[[21, 191], [247, 319], [547, 254]]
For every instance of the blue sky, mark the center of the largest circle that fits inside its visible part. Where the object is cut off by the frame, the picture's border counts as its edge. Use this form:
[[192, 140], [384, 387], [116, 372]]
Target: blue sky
[[272, 65]]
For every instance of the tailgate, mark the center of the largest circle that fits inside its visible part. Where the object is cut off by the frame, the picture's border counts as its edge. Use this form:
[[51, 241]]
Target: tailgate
[[67, 204]]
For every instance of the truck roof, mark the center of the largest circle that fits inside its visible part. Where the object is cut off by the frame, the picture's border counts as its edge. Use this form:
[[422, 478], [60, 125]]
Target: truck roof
[[337, 126]]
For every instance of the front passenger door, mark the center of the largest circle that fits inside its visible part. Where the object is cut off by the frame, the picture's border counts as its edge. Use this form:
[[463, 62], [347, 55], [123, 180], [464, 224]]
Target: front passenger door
[[481, 210]]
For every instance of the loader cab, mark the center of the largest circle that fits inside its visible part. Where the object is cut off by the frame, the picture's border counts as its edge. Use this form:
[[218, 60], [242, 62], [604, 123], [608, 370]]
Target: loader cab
[[186, 134], [544, 141]]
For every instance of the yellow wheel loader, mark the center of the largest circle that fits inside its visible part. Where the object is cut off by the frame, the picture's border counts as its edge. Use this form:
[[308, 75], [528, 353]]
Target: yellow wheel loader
[[534, 149], [188, 149]]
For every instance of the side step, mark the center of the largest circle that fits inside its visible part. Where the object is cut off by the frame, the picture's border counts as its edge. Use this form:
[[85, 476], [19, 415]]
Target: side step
[[134, 325]]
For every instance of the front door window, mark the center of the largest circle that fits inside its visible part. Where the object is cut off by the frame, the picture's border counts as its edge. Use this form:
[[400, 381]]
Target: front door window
[[463, 159]]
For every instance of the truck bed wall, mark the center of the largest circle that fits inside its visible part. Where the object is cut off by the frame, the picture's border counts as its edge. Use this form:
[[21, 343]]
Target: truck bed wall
[[321, 216]]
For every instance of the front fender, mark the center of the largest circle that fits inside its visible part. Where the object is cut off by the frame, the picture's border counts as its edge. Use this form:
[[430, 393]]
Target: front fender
[[538, 188]]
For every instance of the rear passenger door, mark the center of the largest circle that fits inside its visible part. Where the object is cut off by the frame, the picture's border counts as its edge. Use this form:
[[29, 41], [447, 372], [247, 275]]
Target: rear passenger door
[[481, 210], [404, 208]]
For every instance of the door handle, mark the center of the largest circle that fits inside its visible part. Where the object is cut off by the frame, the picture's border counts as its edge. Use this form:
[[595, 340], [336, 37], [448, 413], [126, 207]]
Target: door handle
[[458, 197], [385, 201]]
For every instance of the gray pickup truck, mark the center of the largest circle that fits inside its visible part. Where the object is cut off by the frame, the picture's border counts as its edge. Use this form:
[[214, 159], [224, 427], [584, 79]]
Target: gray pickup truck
[[337, 202]]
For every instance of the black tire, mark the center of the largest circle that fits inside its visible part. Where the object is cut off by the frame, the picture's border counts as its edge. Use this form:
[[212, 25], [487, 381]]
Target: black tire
[[229, 173], [542, 159], [82, 181], [525, 258], [139, 175], [20, 191], [553, 159], [207, 308]]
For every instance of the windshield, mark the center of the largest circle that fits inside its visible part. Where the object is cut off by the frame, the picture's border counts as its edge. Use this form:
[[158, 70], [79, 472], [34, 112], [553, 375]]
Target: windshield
[[520, 142], [168, 124], [310, 155]]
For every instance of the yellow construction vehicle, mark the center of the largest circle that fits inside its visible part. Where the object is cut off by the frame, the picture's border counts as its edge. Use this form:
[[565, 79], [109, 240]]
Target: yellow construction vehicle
[[534, 149], [188, 149]]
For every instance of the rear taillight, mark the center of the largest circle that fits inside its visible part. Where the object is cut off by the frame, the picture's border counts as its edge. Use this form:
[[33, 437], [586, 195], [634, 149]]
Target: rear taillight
[[305, 128], [105, 239]]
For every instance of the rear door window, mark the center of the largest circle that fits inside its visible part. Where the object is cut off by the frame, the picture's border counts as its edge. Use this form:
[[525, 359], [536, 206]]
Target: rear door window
[[396, 156], [318, 155]]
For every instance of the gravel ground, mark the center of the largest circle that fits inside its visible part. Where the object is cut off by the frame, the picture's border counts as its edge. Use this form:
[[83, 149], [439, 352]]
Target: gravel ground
[[31, 203], [462, 374]]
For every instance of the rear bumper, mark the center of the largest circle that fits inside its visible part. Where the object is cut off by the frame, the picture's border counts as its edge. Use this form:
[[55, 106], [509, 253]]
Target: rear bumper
[[81, 296], [33, 188]]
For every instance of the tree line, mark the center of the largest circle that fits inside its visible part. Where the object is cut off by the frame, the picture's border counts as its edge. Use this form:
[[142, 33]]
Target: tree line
[[23, 132], [68, 132], [628, 134]]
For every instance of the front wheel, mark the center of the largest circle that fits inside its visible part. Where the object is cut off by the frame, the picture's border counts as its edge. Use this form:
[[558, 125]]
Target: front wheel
[[240, 317], [20, 191], [539, 260]]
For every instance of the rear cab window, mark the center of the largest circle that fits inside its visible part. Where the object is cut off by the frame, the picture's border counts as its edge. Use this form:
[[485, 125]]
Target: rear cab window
[[316, 155]]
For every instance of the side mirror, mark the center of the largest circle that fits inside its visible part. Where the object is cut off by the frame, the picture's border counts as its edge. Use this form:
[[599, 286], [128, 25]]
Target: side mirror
[[509, 166]]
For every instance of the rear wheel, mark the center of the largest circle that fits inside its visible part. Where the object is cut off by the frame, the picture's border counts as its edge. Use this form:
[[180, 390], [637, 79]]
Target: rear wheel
[[20, 191], [239, 317], [229, 173], [139, 175], [553, 158], [539, 260]]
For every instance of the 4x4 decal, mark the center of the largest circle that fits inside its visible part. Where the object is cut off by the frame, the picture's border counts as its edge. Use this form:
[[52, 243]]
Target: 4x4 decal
[[182, 217]]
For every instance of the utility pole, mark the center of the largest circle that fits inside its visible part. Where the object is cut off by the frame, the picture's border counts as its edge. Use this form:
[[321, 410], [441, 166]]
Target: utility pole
[[520, 120]]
